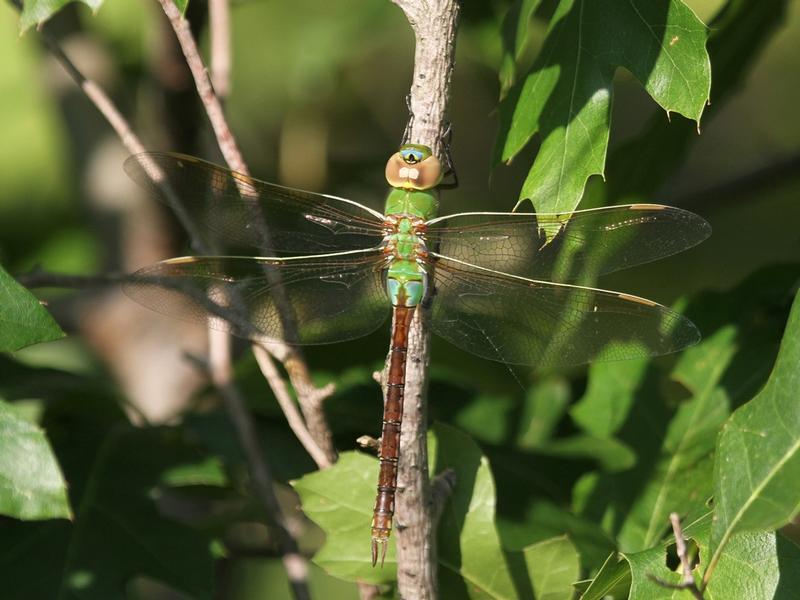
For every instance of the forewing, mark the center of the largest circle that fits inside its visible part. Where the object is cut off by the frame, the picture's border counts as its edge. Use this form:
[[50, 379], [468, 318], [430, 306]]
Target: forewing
[[582, 244], [520, 321], [230, 210], [302, 301]]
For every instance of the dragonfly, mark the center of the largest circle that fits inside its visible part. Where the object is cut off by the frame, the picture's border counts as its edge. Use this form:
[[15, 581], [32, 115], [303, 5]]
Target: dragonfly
[[307, 268]]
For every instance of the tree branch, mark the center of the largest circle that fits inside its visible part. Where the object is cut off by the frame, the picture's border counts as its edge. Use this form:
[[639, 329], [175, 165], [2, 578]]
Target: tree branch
[[310, 398], [434, 26], [261, 477], [293, 416], [219, 21], [687, 581], [219, 359]]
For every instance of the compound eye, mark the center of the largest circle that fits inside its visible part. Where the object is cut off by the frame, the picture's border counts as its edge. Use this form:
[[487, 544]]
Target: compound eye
[[430, 173], [412, 156]]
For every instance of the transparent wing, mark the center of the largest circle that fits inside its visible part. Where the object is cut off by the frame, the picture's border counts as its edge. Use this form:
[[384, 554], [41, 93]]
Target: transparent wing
[[586, 242], [526, 322], [305, 300], [228, 208]]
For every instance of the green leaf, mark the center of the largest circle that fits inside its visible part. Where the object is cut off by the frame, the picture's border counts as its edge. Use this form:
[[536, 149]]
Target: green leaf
[[119, 531], [757, 469], [36, 12], [613, 580], [680, 477], [638, 168], [486, 417], [31, 483], [609, 396], [554, 567], [23, 321], [544, 520], [208, 471], [755, 565], [472, 560], [339, 499], [473, 565], [515, 36], [566, 98], [545, 404], [611, 454], [673, 435]]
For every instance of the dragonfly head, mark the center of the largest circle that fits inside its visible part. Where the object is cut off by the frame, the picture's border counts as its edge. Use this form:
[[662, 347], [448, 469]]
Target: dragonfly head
[[414, 167]]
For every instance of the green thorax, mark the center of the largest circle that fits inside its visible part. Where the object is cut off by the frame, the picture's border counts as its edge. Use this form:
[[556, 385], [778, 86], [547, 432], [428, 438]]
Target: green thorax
[[414, 174], [419, 203]]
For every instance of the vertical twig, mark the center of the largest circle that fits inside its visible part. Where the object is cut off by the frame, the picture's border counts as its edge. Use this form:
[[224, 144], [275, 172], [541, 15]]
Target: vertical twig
[[434, 25], [310, 398], [288, 406], [219, 354], [313, 430], [219, 351], [687, 578], [219, 20], [294, 563]]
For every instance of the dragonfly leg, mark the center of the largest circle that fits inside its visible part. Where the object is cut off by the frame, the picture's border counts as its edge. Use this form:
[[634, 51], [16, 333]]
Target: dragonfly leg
[[447, 138], [410, 122]]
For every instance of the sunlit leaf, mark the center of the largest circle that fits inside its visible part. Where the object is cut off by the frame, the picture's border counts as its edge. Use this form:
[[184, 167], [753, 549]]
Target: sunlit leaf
[[755, 565], [681, 474], [31, 483], [36, 12], [611, 454], [672, 423], [640, 166], [23, 320], [566, 98], [613, 580], [545, 520], [757, 469], [554, 567], [340, 500], [609, 395], [472, 561]]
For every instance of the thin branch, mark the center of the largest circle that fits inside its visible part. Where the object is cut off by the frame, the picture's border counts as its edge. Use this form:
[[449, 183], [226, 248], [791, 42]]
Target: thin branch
[[294, 563], [310, 398], [293, 416], [219, 20], [205, 89], [368, 442], [434, 25], [680, 543], [687, 578]]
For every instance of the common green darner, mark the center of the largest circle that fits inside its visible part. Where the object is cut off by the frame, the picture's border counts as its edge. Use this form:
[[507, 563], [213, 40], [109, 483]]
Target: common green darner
[[328, 269]]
